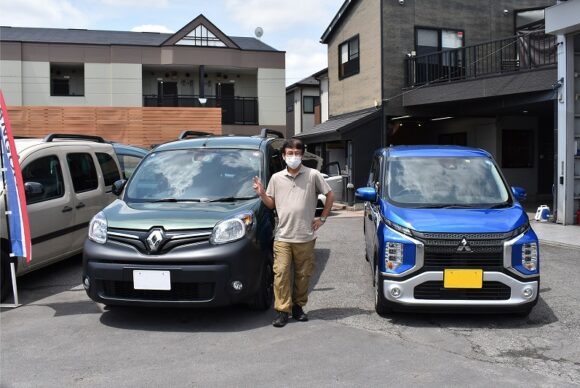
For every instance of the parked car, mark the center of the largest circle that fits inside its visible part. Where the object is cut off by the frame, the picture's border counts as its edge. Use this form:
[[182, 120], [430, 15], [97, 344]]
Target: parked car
[[68, 179], [129, 157], [443, 230], [188, 228]]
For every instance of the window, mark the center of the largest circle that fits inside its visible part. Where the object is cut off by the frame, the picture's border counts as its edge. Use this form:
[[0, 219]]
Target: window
[[309, 102], [430, 40], [201, 36], [47, 172], [83, 172], [517, 148], [109, 168], [290, 102], [128, 164], [348, 58], [67, 79]]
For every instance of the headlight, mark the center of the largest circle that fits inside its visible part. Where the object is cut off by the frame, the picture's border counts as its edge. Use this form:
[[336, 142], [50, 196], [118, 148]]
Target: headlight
[[232, 229], [393, 255], [530, 256], [398, 228], [98, 228]]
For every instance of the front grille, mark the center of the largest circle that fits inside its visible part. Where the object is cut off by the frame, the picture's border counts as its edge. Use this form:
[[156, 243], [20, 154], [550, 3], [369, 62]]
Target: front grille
[[434, 290], [442, 250], [180, 292], [173, 239]]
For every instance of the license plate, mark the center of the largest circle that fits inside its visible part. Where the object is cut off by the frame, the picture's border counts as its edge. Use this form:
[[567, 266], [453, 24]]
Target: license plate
[[463, 278], [151, 280]]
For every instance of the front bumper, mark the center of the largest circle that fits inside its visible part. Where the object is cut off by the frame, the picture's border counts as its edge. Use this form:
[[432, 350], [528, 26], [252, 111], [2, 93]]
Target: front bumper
[[201, 274], [408, 296]]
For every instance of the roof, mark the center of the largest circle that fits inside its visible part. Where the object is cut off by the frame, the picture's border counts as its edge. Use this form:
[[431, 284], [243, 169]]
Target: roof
[[338, 18], [308, 81], [341, 123], [435, 151], [246, 142], [102, 37]]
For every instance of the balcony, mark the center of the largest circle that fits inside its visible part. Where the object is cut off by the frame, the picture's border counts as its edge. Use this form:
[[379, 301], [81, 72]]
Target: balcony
[[522, 52], [235, 110]]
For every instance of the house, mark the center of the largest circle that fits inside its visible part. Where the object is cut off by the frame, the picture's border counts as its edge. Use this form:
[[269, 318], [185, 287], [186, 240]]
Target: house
[[304, 109], [563, 20], [475, 73], [197, 67]]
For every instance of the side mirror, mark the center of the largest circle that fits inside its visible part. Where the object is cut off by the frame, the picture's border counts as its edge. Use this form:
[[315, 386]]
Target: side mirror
[[118, 186], [366, 194], [519, 193], [33, 188]]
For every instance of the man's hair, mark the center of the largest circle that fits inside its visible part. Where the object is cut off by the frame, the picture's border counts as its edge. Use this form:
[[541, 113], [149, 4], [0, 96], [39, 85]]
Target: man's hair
[[293, 143]]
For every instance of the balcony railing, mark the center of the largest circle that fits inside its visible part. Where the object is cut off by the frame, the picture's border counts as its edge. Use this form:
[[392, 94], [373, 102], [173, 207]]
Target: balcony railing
[[235, 110], [521, 52]]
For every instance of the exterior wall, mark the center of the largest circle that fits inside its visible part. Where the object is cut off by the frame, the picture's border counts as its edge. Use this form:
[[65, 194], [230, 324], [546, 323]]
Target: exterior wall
[[297, 111], [363, 89], [323, 99], [271, 97], [307, 118], [481, 21], [126, 85], [11, 81]]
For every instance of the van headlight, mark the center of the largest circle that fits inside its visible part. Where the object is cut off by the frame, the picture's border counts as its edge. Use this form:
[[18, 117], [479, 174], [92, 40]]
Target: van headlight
[[232, 229], [530, 256], [98, 228]]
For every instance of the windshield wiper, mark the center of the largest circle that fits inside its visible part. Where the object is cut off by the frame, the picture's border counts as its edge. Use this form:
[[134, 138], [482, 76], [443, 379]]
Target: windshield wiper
[[177, 200], [448, 206], [499, 205], [233, 199]]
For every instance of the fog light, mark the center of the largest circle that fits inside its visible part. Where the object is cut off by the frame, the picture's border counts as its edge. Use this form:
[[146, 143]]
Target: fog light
[[528, 292], [86, 283], [237, 285], [396, 292]]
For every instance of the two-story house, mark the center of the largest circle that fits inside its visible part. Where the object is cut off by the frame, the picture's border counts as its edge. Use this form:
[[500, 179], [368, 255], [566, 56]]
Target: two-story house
[[199, 66], [474, 73]]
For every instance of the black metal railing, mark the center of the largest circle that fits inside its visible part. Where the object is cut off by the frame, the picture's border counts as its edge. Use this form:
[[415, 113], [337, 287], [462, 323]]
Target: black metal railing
[[521, 52], [235, 110]]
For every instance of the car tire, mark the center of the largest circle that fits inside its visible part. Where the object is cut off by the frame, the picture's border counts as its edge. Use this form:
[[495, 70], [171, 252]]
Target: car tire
[[5, 278], [263, 298], [382, 306]]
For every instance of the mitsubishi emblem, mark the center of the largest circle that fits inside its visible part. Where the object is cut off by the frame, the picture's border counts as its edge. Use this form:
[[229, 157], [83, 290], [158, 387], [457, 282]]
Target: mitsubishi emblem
[[154, 239], [463, 246]]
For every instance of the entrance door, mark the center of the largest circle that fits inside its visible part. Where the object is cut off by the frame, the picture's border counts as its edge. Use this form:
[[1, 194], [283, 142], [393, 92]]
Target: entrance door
[[166, 93], [225, 98]]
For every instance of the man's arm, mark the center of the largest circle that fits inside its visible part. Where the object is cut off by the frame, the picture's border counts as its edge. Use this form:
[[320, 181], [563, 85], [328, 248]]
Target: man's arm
[[259, 189], [328, 204]]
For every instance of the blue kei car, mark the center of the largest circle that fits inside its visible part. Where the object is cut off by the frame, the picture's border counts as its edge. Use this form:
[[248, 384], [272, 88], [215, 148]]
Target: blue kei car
[[443, 230]]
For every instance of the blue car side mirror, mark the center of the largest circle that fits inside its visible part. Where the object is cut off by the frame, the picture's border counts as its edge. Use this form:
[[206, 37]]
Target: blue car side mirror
[[519, 193], [366, 194]]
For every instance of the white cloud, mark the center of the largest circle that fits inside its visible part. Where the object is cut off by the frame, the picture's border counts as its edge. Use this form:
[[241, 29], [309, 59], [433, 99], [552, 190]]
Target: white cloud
[[151, 28], [304, 57], [41, 13], [136, 3], [275, 15]]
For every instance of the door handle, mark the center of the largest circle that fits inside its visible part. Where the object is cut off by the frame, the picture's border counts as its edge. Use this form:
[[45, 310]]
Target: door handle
[[80, 205], [66, 209]]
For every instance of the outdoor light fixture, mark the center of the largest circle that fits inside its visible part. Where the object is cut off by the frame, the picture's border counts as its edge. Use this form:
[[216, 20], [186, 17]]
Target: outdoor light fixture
[[400, 117], [441, 118], [202, 100]]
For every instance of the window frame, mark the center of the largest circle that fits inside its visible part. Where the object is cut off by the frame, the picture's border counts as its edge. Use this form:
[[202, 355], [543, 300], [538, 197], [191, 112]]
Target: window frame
[[314, 100], [55, 78], [83, 189], [439, 31], [341, 73], [59, 173]]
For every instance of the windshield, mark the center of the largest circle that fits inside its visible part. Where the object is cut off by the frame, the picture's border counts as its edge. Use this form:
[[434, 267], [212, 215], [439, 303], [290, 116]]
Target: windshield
[[195, 175], [445, 182]]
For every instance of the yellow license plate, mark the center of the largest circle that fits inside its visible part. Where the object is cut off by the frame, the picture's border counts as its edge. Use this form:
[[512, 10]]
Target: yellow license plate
[[463, 278]]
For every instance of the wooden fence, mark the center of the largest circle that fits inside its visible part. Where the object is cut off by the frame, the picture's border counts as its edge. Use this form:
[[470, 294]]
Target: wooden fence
[[137, 126]]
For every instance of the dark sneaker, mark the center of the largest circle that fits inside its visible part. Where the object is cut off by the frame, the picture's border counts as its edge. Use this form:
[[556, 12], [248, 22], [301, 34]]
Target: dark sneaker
[[299, 314], [281, 319]]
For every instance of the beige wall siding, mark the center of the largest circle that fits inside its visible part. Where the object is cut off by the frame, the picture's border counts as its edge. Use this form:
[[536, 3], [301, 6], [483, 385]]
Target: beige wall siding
[[323, 99], [126, 85], [271, 97], [360, 90], [11, 81], [98, 85]]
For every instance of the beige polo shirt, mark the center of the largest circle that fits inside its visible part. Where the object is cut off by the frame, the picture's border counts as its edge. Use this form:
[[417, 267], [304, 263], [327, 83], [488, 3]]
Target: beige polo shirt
[[295, 199]]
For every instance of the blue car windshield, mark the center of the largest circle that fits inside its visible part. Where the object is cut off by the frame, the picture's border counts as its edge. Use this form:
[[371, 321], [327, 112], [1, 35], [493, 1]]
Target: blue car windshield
[[445, 182], [195, 175]]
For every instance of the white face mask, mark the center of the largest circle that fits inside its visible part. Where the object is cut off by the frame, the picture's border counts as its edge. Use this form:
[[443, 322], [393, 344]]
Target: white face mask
[[293, 161]]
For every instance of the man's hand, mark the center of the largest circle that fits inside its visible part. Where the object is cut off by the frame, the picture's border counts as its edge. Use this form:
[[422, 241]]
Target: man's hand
[[317, 223], [258, 186]]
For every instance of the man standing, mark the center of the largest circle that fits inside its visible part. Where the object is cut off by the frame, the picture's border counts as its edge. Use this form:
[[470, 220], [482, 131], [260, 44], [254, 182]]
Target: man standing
[[294, 192]]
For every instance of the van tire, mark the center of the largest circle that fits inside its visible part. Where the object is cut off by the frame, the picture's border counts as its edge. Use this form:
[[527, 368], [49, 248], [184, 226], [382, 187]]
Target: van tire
[[5, 277], [382, 306], [263, 298]]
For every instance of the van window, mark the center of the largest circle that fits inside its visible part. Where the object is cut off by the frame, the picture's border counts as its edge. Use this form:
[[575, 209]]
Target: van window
[[128, 164], [109, 168], [82, 171], [47, 172]]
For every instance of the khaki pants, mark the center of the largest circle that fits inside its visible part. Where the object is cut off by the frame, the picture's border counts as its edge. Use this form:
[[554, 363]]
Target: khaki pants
[[302, 256]]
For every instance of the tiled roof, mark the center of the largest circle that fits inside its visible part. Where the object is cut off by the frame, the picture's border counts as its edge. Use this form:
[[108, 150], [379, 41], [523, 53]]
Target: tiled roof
[[100, 37], [341, 123]]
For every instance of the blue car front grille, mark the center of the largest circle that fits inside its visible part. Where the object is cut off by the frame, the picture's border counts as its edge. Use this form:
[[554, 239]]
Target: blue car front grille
[[434, 290]]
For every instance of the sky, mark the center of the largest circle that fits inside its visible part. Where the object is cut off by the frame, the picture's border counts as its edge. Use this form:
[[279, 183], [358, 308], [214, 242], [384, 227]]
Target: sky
[[293, 26]]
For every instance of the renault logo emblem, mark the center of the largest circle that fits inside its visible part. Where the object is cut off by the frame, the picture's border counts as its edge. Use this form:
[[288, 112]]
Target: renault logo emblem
[[155, 239], [463, 246]]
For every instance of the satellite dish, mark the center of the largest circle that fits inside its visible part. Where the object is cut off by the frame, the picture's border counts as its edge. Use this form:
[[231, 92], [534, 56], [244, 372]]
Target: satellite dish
[[259, 32]]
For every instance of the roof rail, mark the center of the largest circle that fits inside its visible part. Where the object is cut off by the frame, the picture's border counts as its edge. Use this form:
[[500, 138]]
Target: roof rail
[[186, 134], [72, 136], [267, 131]]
